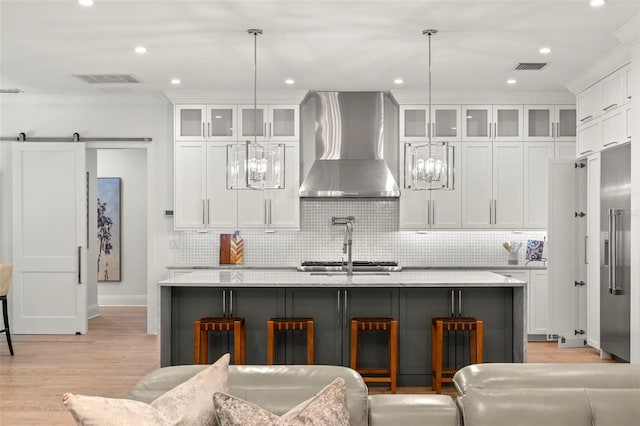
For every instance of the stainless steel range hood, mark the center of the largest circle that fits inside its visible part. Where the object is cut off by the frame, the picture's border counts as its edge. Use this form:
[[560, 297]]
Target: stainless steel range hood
[[343, 137]]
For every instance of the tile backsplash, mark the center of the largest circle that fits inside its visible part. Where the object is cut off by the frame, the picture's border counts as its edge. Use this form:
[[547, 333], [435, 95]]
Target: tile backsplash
[[375, 237]]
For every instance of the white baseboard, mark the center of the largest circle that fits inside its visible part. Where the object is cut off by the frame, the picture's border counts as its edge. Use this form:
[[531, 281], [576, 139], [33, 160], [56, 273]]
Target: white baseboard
[[122, 300], [93, 311]]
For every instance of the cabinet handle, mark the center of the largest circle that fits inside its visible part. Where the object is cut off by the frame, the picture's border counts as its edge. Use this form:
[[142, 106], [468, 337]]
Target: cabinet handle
[[429, 212], [584, 152], [269, 212], [433, 212], [609, 107], [490, 212], [208, 129], [208, 213], [490, 130], [459, 303], [346, 319], [203, 129], [453, 303], [610, 143], [224, 303], [230, 303], [629, 97], [586, 245], [495, 130], [79, 264], [203, 212], [265, 212], [495, 212], [264, 129], [270, 134], [586, 118], [338, 310]]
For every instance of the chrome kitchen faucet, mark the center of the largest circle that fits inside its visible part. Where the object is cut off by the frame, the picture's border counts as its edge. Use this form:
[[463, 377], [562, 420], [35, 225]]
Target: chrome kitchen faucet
[[348, 242]]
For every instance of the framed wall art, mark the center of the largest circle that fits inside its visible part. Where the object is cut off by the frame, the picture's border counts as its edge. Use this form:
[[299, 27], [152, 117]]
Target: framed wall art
[[109, 225]]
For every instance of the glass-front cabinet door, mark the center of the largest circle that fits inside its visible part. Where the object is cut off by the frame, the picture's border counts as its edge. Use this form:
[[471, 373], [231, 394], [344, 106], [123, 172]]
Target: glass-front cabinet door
[[445, 123], [413, 123], [539, 122], [507, 123], [190, 122], [284, 123], [253, 122], [476, 123], [565, 123], [221, 122]]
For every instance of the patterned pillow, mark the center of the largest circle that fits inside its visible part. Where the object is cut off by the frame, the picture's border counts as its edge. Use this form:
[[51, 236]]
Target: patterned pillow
[[327, 408], [188, 404]]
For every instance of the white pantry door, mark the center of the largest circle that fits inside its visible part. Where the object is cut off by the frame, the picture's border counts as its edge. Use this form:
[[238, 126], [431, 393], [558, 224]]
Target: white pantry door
[[49, 238]]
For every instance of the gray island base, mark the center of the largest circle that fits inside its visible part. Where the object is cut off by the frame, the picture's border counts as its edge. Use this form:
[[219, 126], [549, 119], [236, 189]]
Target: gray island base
[[411, 297]]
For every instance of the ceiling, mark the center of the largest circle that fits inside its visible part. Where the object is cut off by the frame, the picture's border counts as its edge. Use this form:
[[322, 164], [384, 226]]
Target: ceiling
[[322, 45]]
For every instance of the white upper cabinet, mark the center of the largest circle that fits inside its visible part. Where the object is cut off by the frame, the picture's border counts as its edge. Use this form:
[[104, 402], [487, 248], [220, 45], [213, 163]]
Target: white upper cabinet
[[536, 194], [190, 165], [548, 123], [190, 122], [222, 123], [269, 122], [430, 209], [628, 83], [284, 204], [205, 123], [589, 104], [491, 123], [477, 185], [614, 128], [508, 197], [589, 138], [221, 202], [444, 124], [613, 91]]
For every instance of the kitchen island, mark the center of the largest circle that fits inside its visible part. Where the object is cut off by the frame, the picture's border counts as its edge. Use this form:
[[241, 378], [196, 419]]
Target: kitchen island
[[411, 297]]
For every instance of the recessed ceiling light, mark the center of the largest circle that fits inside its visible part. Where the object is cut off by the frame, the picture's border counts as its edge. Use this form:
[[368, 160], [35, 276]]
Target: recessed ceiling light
[[85, 3], [175, 81], [398, 81], [140, 50], [597, 3], [545, 50], [289, 81], [511, 81]]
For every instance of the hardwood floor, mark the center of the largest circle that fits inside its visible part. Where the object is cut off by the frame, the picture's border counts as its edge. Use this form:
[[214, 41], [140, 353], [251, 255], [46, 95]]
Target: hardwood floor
[[113, 355]]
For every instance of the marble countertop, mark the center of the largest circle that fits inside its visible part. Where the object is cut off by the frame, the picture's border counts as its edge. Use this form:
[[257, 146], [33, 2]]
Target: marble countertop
[[290, 278], [532, 266]]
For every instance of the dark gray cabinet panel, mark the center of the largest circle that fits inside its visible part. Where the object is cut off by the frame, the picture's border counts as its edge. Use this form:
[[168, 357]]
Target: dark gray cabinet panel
[[189, 304], [256, 305]]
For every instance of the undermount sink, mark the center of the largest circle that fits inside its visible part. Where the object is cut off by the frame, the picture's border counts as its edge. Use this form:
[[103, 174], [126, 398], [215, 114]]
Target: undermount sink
[[329, 274]]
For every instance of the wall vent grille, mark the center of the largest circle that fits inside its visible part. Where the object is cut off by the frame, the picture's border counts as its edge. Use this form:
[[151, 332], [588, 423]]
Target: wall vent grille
[[530, 66], [108, 78]]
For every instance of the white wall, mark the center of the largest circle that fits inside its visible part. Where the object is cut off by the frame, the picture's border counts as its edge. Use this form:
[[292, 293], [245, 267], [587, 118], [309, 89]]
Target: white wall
[[92, 249], [101, 115], [635, 206], [130, 165]]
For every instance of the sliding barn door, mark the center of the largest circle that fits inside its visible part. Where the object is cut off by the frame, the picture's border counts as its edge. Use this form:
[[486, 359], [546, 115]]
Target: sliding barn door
[[49, 289]]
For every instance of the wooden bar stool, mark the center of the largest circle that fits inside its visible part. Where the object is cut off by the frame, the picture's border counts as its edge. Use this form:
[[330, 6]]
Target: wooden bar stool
[[438, 327], [6, 270], [285, 324], [203, 326], [376, 324]]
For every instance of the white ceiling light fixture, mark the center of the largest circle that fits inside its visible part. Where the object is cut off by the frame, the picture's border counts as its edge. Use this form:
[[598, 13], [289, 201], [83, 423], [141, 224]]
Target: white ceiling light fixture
[[85, 3], [430, 165], [398, 81], [597, 3], [512, 81], [140, 50], [545, 50], [175, 81], [254, 165], [289, 81]]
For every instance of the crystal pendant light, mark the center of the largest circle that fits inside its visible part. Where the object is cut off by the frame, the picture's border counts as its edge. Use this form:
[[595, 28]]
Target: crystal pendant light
[[429, 165], [254, 165]]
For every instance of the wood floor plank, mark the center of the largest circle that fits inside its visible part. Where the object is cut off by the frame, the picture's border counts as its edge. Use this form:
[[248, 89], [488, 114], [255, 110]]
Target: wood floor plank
[[114, 355]]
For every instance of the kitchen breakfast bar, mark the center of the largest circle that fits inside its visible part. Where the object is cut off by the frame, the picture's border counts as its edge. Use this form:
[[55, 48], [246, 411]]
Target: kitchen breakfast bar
[[331, 299]]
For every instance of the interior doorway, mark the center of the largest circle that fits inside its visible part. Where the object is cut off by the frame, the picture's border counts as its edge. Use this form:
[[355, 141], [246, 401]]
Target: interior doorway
[[117, 254]]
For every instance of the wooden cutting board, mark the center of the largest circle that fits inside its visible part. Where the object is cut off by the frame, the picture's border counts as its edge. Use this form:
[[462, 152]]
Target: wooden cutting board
[[231, 249], [225, 249]]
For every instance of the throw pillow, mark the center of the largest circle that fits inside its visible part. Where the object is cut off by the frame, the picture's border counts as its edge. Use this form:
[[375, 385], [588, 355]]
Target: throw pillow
[[188, 404], [327, 408]]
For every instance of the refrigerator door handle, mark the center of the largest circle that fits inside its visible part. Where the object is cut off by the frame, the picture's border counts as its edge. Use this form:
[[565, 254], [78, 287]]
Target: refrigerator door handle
[[613, 252]]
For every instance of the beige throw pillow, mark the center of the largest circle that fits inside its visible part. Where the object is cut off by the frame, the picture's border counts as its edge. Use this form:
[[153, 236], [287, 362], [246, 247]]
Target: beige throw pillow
[[327, 408], [188, 404]]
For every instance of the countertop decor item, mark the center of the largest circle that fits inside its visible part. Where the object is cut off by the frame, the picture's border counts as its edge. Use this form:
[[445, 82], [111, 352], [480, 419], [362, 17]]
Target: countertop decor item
[[512, 248], [231, 249], [534, 251]]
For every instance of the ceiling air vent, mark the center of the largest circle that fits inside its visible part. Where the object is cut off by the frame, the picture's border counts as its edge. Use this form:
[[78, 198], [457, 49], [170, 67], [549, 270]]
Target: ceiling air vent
[[107, 78], [530, 66]]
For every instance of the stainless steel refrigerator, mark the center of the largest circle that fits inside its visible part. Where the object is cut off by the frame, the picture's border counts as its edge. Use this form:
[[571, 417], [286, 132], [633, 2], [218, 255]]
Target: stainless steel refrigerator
[[615, 258]]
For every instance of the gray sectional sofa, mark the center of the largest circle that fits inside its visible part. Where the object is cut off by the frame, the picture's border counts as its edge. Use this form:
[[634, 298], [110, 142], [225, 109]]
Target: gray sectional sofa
[[490, 394]]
